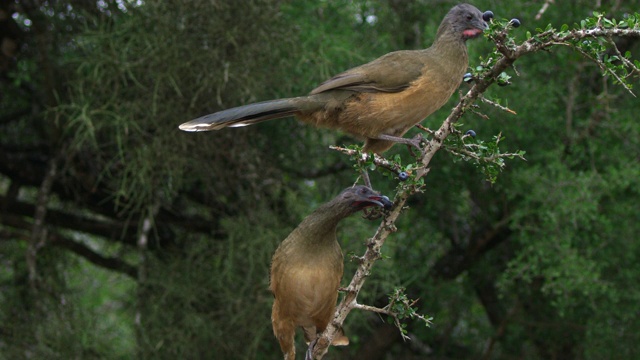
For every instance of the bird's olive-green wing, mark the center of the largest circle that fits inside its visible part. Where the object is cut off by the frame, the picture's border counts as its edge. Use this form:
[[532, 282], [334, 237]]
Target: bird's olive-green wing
[[390, 73]]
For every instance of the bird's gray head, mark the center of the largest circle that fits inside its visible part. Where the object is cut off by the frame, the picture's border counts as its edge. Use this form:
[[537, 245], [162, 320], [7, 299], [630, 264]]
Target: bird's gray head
[[466, 20], [360, 197]]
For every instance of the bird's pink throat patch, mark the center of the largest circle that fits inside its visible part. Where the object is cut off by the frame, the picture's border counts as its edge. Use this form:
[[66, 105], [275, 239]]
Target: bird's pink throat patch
[[471, 33]]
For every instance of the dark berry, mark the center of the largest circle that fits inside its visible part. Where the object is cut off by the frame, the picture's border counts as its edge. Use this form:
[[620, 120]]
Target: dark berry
[[471, 133], [403, 176], [488, 15], [467, 77], [515, 22], [388, 204]]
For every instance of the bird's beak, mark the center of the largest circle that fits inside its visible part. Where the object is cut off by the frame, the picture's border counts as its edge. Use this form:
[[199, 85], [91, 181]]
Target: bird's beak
[[382, 201]]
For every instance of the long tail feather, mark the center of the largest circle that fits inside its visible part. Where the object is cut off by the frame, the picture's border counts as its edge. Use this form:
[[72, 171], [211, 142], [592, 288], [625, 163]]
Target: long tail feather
[[244, 115]]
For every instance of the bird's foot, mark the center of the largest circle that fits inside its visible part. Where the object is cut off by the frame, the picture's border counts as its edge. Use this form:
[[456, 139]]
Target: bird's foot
[[372, 213], [415, 142]]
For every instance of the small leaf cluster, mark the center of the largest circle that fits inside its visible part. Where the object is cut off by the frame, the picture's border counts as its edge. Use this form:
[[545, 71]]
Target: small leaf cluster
[[401, 307], [588, 38], [485, 155], [361, 162], [598, 20], [603, 50], [483, 69], [404, 172]]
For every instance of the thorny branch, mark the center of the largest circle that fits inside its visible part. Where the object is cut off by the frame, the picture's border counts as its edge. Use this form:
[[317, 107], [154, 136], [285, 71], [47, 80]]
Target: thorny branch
[[388, 310], [474, 155], [363, 157], [510, 52], [493, 103]]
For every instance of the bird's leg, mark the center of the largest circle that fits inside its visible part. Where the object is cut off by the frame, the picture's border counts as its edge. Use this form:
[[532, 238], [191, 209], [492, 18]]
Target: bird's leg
[[414, 141], [371, 213], [309, 354], [365, 178]]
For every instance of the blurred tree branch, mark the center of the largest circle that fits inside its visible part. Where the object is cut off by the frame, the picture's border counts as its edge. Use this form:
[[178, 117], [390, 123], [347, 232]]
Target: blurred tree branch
[[111, 263]]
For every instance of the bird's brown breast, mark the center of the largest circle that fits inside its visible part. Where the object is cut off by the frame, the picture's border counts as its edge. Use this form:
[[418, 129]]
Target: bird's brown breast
[[394, 113], [305, 280]]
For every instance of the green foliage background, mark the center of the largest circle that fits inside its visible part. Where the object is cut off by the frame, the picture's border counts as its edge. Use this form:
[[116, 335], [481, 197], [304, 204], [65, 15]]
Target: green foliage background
[[542, 264]]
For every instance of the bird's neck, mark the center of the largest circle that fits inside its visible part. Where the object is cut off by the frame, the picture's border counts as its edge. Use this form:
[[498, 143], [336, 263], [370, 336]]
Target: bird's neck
[[449, 45], [322, 223], [448, 54]]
